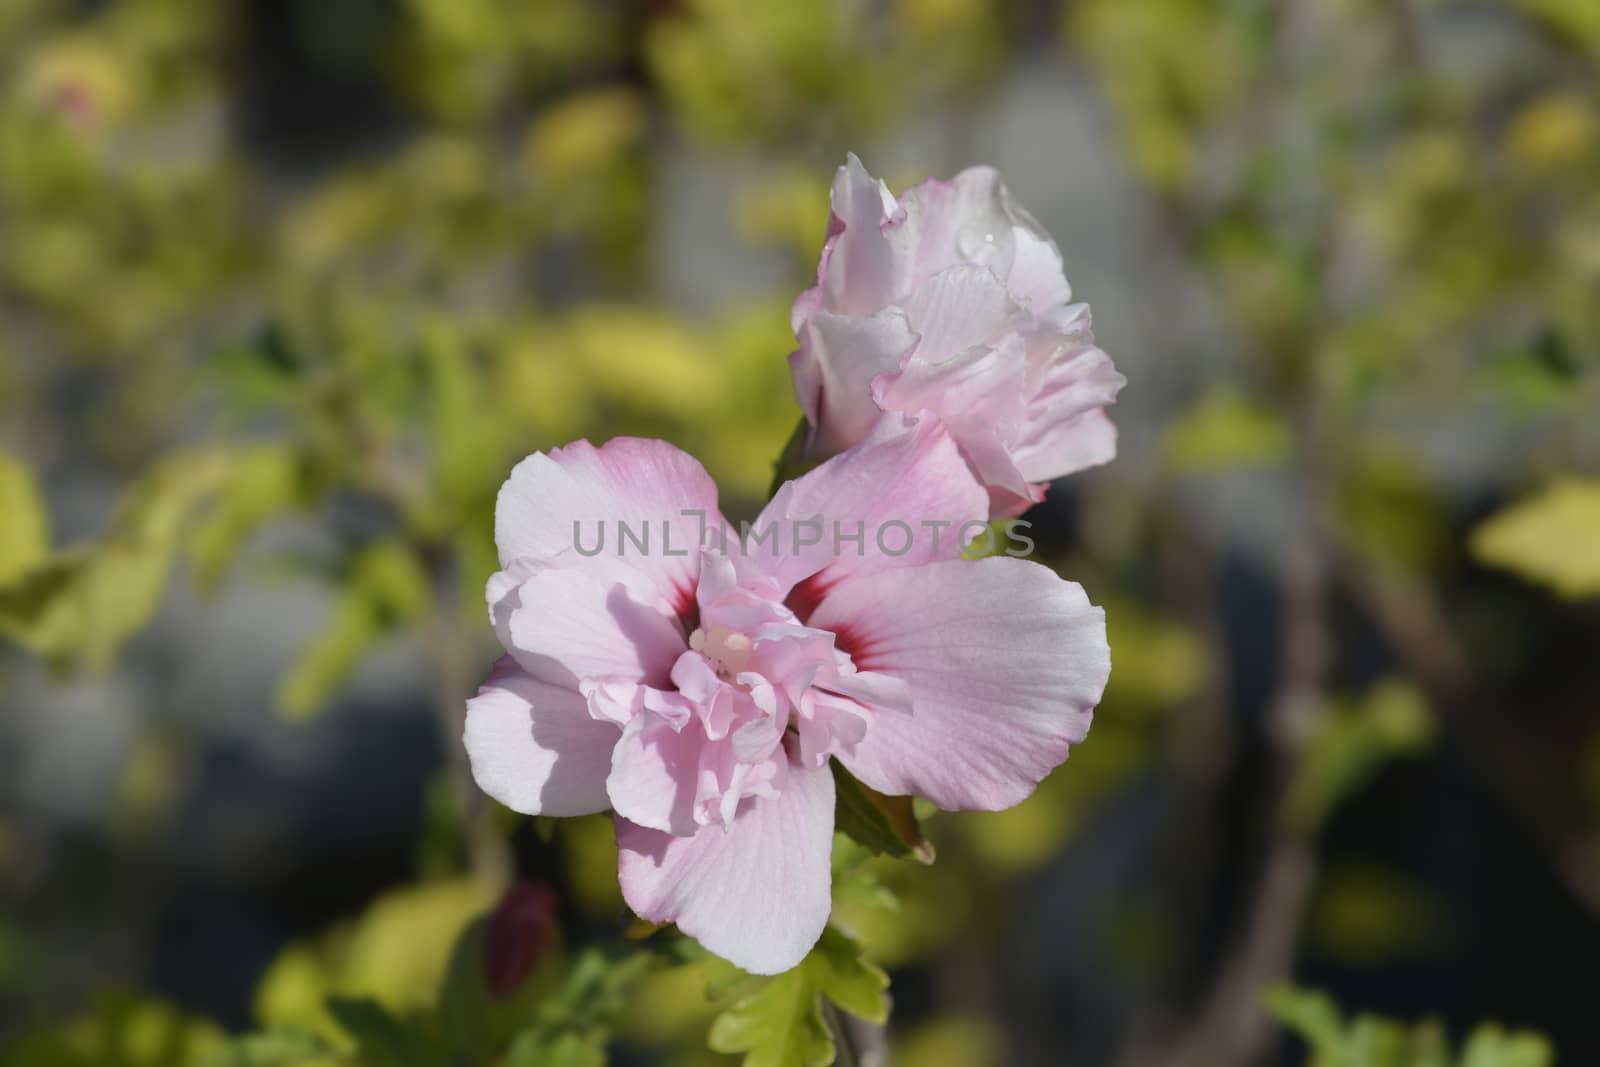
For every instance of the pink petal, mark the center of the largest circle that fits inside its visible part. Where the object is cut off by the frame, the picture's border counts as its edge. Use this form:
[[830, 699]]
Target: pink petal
[[905, 487], [1036, 280], [1005, 660], [961, 220], [1084, 441], [862, 265], [757, 894], [982, 383], [564, 627], [653, 773], [984, 448], [1067, 429], [973, 218], [833, 370], [957, 308], [534, 747], [553, 506]]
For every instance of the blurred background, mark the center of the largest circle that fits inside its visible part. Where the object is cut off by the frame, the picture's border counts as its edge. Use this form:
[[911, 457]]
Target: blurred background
[[286, 287]]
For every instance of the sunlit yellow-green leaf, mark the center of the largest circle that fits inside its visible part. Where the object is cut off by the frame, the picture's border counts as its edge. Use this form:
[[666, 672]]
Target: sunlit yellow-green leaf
[[672, 1006], [585, 131], [1170, 660], [1226, 430], [970, 1042], [396, 952], [1576, 19], [788, 207], [1552, 538], [121, 1030], [589, 856], [80, 604], [24, 522], [1553, 130]]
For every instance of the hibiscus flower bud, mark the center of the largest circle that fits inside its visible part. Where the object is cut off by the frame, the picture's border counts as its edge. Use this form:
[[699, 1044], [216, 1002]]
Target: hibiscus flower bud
[[952, 299], [516, 935]]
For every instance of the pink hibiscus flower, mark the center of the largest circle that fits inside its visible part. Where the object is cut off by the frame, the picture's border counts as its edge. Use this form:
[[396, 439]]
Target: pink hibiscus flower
[[952, 299], [699, 689]]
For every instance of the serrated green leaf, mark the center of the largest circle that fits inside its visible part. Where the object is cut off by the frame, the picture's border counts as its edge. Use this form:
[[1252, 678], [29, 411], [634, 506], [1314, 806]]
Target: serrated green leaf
[[843, 975], [1552, 538], [780, 1024], [861, 888]]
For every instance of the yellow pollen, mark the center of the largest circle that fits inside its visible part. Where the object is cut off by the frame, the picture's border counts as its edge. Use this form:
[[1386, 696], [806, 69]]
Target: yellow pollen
[[728, 650]]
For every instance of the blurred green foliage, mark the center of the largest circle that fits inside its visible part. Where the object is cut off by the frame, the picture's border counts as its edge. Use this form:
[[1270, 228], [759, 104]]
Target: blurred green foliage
[[122, 1031], [250, 336], [1552, 538], [1350, 741], [1370, 1041]]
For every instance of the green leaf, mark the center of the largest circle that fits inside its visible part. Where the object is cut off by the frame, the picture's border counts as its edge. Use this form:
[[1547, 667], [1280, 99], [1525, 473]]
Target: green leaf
[[1370, 1041], [383, 1039], [24, 523], [385, 589], [562, 1050], [1552, 538], [861, 888], [1576, 20], [792, 462], [1350, 742], [264, 481], [121, 1030], [397, 952], [1311, 1015], [1387, 506], [780, 1024], [468, 438], [1365, 915], [476, 1024], [886, 825], [82, 603], [1490, 1046], [282, 1046], [1225, 430]]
